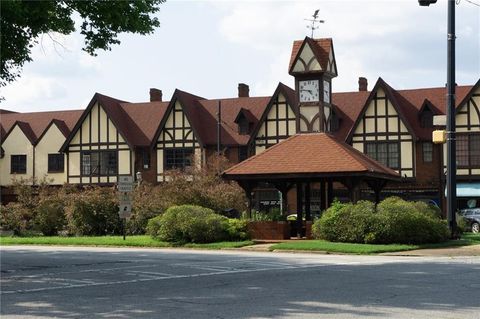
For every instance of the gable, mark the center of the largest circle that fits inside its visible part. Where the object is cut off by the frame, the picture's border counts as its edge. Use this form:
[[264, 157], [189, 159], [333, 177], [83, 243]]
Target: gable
[[467, 116], [177, 129], [96, 128], [306, 60], [277, 124]]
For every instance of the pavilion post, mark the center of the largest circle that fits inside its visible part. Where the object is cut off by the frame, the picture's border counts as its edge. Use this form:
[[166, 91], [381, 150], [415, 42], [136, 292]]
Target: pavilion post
[[299, 209], [323, 195], [284, 188], [308, 211], [329, 193]]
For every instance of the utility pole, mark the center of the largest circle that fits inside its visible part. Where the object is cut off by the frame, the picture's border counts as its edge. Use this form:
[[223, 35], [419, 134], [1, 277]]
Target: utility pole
[[451, 136]]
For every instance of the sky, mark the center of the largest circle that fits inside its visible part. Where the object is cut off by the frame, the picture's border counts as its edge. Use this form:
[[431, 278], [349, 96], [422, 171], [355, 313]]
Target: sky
[[208, 47]]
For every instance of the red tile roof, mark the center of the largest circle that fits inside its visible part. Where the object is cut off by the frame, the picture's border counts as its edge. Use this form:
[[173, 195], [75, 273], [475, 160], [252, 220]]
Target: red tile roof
[[38, 122], [348, 105], [229, 111], [310, 154], [320, 47], [146, 117]]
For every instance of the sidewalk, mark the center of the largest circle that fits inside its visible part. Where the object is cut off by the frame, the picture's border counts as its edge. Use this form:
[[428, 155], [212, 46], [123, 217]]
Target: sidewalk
[[473, 250]]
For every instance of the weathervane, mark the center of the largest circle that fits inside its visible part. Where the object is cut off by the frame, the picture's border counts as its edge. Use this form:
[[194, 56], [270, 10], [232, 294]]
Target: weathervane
[[314, 22]]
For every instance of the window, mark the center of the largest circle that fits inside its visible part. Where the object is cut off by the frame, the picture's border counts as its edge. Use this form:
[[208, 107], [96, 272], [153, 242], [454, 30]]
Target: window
[[386, 153], [178, 158], [146, 158], [55, 163], [242, 153], [100, 163], [18, 164], [427, 152], [426, 119], [243, 127], [468, 150], [334, 122]]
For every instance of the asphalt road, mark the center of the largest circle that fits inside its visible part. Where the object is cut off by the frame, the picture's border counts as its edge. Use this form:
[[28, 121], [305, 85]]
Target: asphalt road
[[47, 282]]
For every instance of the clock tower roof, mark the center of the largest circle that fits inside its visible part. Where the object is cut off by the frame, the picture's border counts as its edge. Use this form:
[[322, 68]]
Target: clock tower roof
[[313, 55]]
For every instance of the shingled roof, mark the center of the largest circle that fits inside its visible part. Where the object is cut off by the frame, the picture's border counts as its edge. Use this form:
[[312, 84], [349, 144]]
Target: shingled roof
[[314, 154], [320, 48], [36, 123]]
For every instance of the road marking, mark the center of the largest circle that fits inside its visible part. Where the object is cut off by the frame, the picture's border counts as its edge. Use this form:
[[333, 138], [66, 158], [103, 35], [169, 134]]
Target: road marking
[[121, 282]]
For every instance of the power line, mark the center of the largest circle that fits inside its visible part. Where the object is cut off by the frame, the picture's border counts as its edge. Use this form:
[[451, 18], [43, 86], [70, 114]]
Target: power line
[[469, 1]]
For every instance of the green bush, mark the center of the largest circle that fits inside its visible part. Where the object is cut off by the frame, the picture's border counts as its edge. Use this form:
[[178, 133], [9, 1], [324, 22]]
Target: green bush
[[273, 215], [93, 212], [237, 229], [392, 221], [345, 222], [16, 217], [193, 224], [404, 222], [50, 217]]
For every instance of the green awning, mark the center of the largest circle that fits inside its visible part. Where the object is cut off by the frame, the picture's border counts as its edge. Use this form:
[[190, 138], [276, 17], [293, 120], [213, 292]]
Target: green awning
[[467, 190]]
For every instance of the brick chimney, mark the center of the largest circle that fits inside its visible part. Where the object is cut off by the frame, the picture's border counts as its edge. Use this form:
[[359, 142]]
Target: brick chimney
[[155, 95], [362, 84], [243, 90]]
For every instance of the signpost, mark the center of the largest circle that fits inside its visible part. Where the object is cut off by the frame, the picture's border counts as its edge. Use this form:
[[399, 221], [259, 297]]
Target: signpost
[[125, 188]]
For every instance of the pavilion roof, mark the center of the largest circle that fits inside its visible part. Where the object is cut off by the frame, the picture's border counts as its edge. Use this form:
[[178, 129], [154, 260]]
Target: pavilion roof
[[309, 156]]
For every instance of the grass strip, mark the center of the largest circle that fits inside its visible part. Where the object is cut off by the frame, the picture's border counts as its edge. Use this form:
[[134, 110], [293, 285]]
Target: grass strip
[[116, 241], [361, 249]]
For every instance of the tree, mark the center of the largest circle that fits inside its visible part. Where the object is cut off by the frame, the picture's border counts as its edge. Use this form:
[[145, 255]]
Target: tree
[[22, 22]]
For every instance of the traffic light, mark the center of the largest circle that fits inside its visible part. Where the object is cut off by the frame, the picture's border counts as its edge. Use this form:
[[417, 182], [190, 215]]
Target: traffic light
[[426, 3]]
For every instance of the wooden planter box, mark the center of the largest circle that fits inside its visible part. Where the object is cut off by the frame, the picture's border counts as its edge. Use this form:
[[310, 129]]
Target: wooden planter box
[[269, 230], [308, 229]]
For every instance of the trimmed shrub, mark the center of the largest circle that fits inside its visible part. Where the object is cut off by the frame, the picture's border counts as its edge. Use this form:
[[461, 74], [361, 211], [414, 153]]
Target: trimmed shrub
[[345, 222], [193, 224], [50, 217], [237, 229], [93, 212], [16, 217], [393, 221]]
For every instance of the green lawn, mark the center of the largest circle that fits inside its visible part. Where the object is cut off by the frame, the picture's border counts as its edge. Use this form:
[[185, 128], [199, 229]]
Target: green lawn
[[348, 248], [117, 241]]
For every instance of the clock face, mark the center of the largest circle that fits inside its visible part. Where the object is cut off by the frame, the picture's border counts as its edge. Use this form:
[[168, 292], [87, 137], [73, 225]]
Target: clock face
[[326, 91], [309, 91]]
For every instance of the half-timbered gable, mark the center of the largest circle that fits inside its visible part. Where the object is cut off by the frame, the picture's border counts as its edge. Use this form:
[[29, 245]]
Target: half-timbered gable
[[313, 55], [468, 134], [177, 143], [382, 132], [277, 122], [97, 149]]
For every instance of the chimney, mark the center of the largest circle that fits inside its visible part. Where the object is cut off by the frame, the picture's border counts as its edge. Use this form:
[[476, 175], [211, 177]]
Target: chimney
[[362, 84], [155, 95], [243, 90]]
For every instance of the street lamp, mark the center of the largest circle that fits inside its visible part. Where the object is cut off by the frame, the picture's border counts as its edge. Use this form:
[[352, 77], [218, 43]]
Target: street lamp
[[451, 150]]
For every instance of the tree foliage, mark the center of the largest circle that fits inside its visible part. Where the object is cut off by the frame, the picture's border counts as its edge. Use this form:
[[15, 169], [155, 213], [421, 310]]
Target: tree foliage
[[24, 21]]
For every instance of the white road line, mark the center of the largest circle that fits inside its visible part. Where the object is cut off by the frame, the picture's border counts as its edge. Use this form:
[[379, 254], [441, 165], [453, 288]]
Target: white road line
[[7, 292], [79, 271]]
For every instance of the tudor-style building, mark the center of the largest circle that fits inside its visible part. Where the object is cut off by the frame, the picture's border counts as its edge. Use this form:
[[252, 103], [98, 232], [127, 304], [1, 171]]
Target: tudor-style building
[[112, 137]]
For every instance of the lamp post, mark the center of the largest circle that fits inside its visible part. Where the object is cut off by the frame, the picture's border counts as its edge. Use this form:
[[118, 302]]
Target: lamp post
[[451, 145]]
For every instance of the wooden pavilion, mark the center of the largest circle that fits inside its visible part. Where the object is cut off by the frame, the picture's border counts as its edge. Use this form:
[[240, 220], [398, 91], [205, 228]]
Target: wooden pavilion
[[309, 158]]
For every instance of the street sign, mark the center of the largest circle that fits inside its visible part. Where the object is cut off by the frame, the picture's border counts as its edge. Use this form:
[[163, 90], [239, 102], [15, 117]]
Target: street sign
[[124, 196], [125, 183], [125, 179], [125, 188], [125, 210]]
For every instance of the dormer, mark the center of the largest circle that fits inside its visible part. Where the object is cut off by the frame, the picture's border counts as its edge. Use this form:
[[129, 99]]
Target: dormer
[[426, 114], [335, 121], [245, 121]]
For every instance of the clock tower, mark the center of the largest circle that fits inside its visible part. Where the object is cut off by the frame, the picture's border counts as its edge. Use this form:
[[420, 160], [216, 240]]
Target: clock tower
[[313, 65]]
